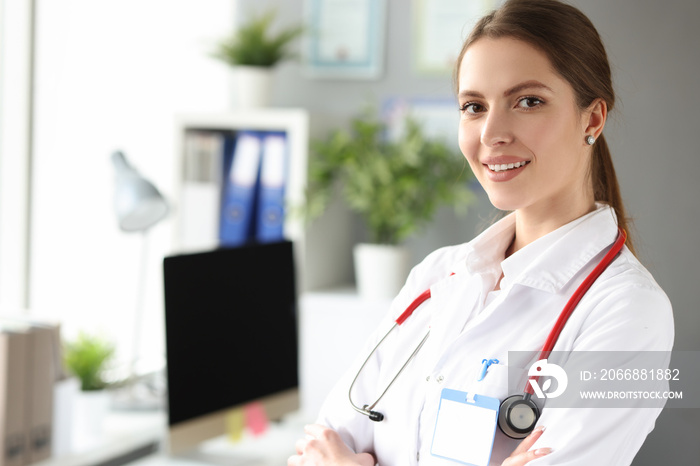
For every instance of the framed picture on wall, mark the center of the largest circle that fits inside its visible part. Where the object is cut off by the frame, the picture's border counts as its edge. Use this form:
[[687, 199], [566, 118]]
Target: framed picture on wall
[[345, 39], [440, 27]]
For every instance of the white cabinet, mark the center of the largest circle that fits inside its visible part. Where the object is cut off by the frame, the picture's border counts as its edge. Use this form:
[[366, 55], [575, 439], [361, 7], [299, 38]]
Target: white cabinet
[[334, 328]]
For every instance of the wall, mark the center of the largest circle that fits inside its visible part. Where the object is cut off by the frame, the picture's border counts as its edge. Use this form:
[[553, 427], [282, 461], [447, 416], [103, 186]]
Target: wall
[[653, 46]]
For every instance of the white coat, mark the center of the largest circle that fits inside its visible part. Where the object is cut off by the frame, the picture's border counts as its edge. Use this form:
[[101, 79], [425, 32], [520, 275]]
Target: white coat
[[625, 309]]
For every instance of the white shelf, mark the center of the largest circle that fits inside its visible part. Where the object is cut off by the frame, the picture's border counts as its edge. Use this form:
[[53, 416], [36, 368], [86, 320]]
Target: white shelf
[[295, 123]]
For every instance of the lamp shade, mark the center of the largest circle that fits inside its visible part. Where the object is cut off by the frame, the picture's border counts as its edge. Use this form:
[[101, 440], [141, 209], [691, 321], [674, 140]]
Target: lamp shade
[[138, 204]]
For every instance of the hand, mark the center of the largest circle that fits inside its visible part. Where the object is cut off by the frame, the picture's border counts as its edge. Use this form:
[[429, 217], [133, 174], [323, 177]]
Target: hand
[[324, 447], [522, 455]]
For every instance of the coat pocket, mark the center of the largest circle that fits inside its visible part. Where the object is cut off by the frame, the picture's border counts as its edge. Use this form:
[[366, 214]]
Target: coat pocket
[[500, 381]]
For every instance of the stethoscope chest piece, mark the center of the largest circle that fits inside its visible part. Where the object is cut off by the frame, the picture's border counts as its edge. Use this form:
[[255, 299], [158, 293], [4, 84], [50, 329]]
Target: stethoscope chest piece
[[517, 416]]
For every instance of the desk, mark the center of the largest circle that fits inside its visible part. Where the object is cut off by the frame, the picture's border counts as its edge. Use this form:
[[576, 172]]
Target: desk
[[138, 438], [127, 435], [333, 327], [270, 449]]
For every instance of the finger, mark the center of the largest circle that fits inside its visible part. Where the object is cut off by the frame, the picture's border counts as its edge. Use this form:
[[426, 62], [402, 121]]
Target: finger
[[529, 441], [316, 430], [366, 459], [300, 446], [528, 456], [294, 460], [524, 458]]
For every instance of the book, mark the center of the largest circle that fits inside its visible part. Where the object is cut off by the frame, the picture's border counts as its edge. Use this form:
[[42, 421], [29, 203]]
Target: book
[[271, 205], [13, 377], [42, 374], [43, 367], [201, 189], [236, 226]]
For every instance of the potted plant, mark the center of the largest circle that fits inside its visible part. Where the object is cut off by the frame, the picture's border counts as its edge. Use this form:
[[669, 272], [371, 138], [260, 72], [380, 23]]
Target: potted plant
[[395, 186], [253, 50], [87, 357]]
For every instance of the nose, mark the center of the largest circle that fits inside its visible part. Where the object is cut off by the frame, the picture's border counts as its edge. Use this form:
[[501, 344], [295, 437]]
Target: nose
[[496, 129]]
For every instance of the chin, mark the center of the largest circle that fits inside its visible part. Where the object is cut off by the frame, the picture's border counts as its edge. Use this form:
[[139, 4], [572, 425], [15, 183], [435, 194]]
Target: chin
[[506, 203]]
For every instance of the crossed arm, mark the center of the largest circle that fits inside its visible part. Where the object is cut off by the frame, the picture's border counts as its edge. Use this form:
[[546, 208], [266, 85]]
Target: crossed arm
[[324, 447]]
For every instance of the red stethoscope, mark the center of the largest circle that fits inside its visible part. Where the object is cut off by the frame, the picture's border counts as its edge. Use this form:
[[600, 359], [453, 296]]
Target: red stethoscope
[[518, 414]]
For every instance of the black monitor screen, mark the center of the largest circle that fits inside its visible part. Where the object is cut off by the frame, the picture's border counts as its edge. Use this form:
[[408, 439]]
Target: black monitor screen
[[230, 322]]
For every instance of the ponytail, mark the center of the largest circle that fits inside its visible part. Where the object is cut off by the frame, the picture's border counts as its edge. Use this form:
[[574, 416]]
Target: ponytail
[[605, 186]]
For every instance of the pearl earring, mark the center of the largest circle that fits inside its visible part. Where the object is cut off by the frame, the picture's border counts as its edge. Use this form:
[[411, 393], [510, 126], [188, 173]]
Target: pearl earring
[[590, 140]]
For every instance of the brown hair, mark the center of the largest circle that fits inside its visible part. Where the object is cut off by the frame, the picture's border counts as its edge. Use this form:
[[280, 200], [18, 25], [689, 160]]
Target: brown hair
[[575, 49]]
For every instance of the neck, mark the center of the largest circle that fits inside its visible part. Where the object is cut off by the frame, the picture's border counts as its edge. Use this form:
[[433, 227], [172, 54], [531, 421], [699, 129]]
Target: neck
[[534, 222]]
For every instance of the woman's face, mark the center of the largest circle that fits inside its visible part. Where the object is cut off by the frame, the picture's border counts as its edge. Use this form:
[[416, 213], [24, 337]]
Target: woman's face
[[520, 128]]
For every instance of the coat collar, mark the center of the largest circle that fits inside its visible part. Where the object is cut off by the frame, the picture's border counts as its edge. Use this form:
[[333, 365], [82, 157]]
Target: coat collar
[[551, 261]]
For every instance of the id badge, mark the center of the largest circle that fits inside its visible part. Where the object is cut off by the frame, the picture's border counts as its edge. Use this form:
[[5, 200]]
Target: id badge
[[465, 427]]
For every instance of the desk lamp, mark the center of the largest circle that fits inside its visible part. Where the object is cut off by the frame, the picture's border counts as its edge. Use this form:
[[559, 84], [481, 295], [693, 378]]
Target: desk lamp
[[138, 206]]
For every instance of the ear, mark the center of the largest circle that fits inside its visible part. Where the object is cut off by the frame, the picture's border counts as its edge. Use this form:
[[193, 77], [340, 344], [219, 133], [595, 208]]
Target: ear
[[594, 118]]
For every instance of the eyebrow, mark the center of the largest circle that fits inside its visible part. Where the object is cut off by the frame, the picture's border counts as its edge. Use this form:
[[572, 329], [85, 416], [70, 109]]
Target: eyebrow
[[513, 90]]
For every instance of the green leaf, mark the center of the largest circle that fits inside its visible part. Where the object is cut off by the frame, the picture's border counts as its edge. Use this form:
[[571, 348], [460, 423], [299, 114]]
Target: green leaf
[[254, 44], [86, 357]]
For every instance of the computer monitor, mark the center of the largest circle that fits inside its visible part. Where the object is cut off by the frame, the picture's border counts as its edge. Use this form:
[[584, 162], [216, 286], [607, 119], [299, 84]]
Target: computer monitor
[[231, 337]]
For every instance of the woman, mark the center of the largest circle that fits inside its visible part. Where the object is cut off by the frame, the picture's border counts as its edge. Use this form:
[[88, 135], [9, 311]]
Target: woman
[[534, 91]]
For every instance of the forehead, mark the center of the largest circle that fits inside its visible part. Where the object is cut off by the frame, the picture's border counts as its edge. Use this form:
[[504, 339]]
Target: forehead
[[497, 64]]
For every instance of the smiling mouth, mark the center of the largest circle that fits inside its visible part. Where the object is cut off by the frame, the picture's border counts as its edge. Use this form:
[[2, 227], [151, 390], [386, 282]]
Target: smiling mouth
[[507, 166]]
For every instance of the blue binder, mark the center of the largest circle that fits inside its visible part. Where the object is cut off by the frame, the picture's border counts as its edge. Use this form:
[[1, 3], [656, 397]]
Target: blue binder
[[238, 198], [271, 209]]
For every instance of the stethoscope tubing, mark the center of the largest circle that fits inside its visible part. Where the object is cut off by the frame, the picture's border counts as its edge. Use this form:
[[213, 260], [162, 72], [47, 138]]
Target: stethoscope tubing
[[423, 297], [544, 353], [575, 298], [366, 409]]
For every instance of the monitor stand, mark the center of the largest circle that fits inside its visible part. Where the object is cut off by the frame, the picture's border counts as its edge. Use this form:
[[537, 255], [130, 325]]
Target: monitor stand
[[271, 448]]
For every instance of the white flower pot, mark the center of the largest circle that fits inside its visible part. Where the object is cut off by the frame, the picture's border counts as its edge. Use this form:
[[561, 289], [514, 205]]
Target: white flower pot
[[91, 409], [65, 393], [251, 86], [380, 270]]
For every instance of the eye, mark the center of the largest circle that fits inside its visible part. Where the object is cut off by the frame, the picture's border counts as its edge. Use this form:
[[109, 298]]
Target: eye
[[472, 108], [529, 102]]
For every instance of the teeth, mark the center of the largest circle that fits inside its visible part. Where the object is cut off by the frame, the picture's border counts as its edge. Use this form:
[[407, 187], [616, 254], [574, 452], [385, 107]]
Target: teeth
[[506, 166]]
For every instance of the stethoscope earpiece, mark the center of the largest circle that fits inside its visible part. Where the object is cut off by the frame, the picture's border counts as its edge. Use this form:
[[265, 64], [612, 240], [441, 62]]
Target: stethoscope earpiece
[[375, 416], [517, 416]]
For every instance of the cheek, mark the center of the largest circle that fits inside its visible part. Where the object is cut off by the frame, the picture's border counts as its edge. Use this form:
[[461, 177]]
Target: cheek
[[549, 140], [469, 141], [549, 132], [555, 132]]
